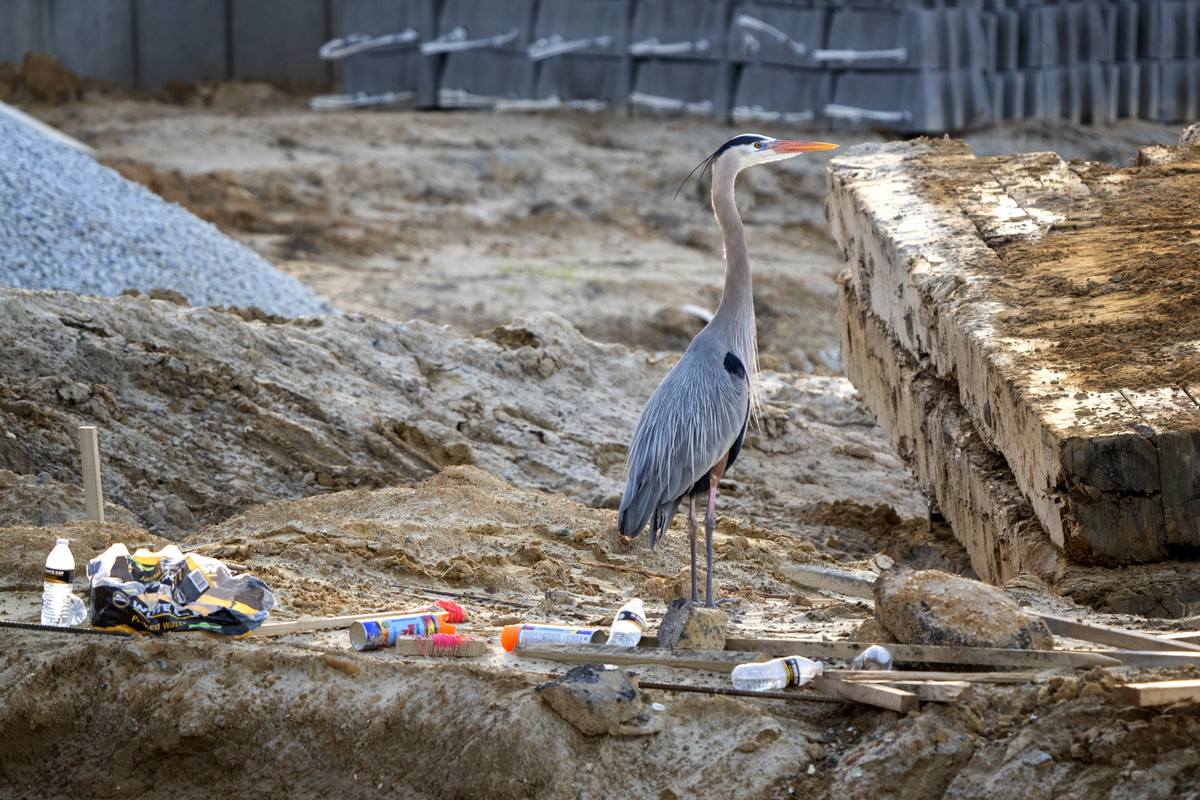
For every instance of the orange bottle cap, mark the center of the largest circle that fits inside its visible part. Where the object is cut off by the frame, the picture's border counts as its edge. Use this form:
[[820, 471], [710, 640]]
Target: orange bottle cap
[[508, 636]]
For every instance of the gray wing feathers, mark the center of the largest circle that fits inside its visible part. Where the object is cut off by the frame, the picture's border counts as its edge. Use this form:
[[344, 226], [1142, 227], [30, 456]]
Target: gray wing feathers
[[690, 421]]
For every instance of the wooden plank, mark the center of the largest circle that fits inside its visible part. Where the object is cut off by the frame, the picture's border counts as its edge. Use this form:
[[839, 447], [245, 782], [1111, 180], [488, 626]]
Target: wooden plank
[[930, 654], [1153, 658], [93, 494], [940, 691], [1157, 693], [1180, 636], [852, 583], [913, 653], [710, 660], [782, 695], [423, 646], [873, 694], [900, 675], [1103, 634], [322, 623], [1173, 417]]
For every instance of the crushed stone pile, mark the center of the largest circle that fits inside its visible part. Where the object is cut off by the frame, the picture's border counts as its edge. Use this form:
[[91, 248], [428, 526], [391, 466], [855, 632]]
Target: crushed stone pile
[[68, 223]]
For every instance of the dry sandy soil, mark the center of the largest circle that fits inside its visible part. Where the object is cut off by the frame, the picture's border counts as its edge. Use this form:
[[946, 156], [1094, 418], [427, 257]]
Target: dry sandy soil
[[514, 287]]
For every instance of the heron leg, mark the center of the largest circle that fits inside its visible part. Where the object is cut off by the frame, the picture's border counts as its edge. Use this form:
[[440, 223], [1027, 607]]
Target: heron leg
[[710, 523], [692, 541]]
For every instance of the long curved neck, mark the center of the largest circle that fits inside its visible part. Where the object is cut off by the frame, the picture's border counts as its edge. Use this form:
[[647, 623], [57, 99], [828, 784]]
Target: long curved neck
[[735, 316]]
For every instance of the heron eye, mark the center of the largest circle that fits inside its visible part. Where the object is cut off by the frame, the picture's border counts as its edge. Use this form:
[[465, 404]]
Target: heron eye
[[757, 145]]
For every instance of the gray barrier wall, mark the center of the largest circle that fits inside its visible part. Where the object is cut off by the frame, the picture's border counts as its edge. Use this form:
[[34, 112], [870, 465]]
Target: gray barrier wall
[[914, 65]]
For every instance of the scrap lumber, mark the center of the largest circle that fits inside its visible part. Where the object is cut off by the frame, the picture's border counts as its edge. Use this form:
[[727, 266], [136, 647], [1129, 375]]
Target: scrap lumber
[[1157, 693], [1152, 658], [89, 451], [901, 676], [1115, 637], [709, 660], [933, 654], [940, 691], [873, 694], [306, 624], [811, 697], [852, 583]]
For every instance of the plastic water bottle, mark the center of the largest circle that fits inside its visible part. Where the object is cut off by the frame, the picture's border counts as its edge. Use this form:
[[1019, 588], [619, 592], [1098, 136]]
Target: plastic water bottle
[[58, 606], [874, 657], [775, 674], [626, 630]]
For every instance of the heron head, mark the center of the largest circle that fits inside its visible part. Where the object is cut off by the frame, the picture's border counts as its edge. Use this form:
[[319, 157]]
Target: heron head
[[749, 149], [754, 148]]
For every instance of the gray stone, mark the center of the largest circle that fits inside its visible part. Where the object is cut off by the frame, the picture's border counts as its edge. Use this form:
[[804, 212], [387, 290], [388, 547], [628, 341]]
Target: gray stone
[[592, 698], [690, 627], [934, 608]]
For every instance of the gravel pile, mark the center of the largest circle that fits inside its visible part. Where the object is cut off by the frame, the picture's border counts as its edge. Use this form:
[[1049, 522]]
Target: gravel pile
[[68, 223]]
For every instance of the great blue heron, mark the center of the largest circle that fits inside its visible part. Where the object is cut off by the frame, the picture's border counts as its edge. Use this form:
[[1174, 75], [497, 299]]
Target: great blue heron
[[692, 427]]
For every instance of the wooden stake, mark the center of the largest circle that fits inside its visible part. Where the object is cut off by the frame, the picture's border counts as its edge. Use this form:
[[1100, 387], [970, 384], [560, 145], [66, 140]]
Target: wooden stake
[[1115, 637], [93, 495], [1158, 693]]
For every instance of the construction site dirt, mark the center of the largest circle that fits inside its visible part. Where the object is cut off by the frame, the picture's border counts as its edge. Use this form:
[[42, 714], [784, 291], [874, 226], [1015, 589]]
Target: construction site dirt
[[510, 288]]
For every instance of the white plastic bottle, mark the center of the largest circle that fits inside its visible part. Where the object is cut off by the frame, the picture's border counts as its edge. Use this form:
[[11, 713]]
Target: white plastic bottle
[[56, 587], [775, 674], [626, 630], [875, 657]]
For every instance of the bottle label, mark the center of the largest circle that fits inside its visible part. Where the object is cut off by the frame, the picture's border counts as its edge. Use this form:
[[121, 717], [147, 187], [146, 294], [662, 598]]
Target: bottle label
[[631, 616], [533, 634], [52, 575], [793, 671]]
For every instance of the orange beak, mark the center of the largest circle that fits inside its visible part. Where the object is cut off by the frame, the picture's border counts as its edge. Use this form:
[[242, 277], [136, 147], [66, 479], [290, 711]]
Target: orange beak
[[800, 147]]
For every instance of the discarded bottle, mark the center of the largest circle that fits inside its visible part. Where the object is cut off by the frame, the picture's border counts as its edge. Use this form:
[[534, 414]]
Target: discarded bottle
[[626, 630], [775, 674], [874, 657], [59, 606], [372, 634], [525, 635]]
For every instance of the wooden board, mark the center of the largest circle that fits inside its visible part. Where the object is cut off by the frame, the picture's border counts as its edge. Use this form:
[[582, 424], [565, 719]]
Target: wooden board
[[1108, 472], [1104, 634], [710, 660], [873, 694], [1158, 693], [918, 654]]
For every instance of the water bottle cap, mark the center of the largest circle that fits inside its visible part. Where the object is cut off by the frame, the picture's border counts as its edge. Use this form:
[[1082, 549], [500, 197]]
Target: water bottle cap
[[62, 541]]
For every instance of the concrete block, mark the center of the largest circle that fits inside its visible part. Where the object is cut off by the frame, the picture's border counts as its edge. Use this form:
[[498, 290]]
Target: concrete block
[[581, 27], [593, 699], [1149, 90], [105, 26], [480, 78], [930, 101], [180, 39], [776, 33], [1008, 35], [773, 92], [477, 21], [1124, 17], [26, 28], [679, 29], [700, 87], [401, 69], [590, 79], [280, 39], [1129, 85], [686, 626]]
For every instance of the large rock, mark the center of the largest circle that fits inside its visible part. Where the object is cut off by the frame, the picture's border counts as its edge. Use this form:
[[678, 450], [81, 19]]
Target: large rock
[[593, 699], [686, 626], [934, 608]]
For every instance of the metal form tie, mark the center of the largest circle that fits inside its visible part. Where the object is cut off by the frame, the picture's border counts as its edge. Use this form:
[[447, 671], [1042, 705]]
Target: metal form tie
[[355, 43]]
